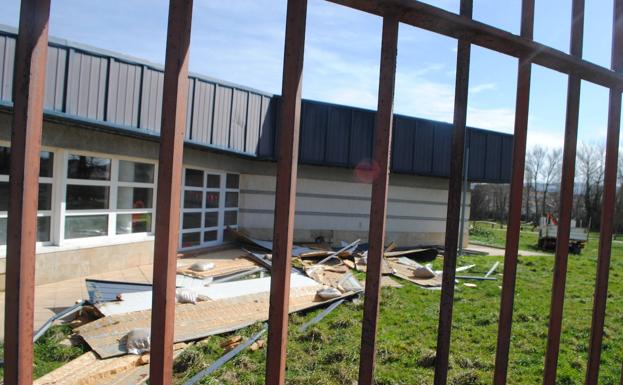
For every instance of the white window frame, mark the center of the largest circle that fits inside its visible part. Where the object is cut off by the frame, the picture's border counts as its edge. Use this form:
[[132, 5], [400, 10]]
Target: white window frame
[[237, 208], [222, 190], [112, 211], [46, 180]]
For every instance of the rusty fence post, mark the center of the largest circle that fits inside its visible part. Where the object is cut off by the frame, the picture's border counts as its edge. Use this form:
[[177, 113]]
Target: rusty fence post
[[522, 104], [174, 101], [607, 205], [566, 200], [285, 194], [453, 216], [378, 204], [28, 97]]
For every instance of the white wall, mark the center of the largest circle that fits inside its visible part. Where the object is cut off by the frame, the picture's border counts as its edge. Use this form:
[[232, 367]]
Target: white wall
[[336, 206]]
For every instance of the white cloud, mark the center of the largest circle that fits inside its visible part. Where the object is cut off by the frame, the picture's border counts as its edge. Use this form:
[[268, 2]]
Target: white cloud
[[482, 87]]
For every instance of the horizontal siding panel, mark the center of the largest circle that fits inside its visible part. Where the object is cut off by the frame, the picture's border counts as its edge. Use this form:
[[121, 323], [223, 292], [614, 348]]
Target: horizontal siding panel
[[124, 86], [237, 132], [151, 103], [7, 60], [222, 115], [86, 85], [55, 78], [402, 144], [203, 108], [338, 136]]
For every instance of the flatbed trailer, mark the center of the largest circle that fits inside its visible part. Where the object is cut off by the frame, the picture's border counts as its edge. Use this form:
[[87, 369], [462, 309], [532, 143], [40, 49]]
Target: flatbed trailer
[[548, 233]]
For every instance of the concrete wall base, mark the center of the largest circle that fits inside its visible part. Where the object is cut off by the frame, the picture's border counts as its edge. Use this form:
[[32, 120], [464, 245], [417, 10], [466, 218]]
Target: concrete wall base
[[67, 264]]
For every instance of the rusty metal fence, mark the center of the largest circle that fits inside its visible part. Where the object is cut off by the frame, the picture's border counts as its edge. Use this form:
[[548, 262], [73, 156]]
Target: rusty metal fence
[[29, 83]]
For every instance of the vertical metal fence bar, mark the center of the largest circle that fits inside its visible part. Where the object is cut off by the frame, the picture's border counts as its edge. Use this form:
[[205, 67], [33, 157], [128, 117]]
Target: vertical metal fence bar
[[378, 204], [453, 216], [28, 98], [285, 194], [607, 205], [566, 200], [522, 104], [174, 103]]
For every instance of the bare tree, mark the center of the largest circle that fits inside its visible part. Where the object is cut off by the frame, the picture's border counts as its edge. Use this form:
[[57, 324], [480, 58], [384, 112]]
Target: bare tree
[[550, 173], [535, 162], [590, 170], [528, 187]]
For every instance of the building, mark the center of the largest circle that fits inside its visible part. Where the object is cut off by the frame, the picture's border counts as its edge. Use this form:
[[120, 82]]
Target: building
[[100, 151]]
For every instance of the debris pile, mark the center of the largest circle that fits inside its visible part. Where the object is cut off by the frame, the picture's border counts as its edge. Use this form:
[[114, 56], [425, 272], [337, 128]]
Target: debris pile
[[222, 295]]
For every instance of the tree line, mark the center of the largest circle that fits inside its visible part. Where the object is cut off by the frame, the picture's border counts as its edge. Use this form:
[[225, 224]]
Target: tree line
[[541, 192]]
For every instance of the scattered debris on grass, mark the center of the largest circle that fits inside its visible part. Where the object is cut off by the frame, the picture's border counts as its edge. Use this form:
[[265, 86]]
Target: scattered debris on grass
[[218, 296]]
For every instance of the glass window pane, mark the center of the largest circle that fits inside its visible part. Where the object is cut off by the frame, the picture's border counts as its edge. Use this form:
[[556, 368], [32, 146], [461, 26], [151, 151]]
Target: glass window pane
[[233, 181], [45, 196], [191, 221], [43, 229], [210, 236], [86, 226], [4, 196], [134, 198], [191, 239], [231, 218], [212, 200], [87, 197], [194, 178], [46, 164], [211, 219], [136, 172], [5, 160], [88, 167], [133, 223], [231, 199], [192, 199], [214, 181]]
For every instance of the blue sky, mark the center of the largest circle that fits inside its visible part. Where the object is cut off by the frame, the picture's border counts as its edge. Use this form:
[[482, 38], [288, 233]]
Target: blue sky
[[241, 41]]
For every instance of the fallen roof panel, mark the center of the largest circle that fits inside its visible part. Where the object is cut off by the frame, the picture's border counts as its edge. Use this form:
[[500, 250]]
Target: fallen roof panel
[[106, 336]]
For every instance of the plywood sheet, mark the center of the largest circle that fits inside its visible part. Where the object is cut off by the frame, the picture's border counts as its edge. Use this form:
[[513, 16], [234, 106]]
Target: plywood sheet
[[222, 267], [192, 321], [88, 369]]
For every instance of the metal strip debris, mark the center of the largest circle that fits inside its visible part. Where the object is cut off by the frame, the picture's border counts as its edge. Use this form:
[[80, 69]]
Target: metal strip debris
[[226, 357], [320, 315]]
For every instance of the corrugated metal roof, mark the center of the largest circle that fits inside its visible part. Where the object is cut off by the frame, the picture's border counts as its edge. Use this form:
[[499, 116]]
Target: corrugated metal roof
[[106, 88]]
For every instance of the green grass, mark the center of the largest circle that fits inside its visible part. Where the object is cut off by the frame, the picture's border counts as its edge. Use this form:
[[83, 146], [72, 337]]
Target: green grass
[[49, 353], [328, 353]]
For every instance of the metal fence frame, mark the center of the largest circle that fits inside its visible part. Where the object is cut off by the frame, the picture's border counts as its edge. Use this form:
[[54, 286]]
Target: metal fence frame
[[26, 140]]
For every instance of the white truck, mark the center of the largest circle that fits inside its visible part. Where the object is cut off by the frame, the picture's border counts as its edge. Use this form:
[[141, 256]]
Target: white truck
[[548, 233]]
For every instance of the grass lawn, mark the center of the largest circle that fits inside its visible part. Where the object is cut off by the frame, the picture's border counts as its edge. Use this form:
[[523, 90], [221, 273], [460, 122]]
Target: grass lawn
[[329, 352]]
